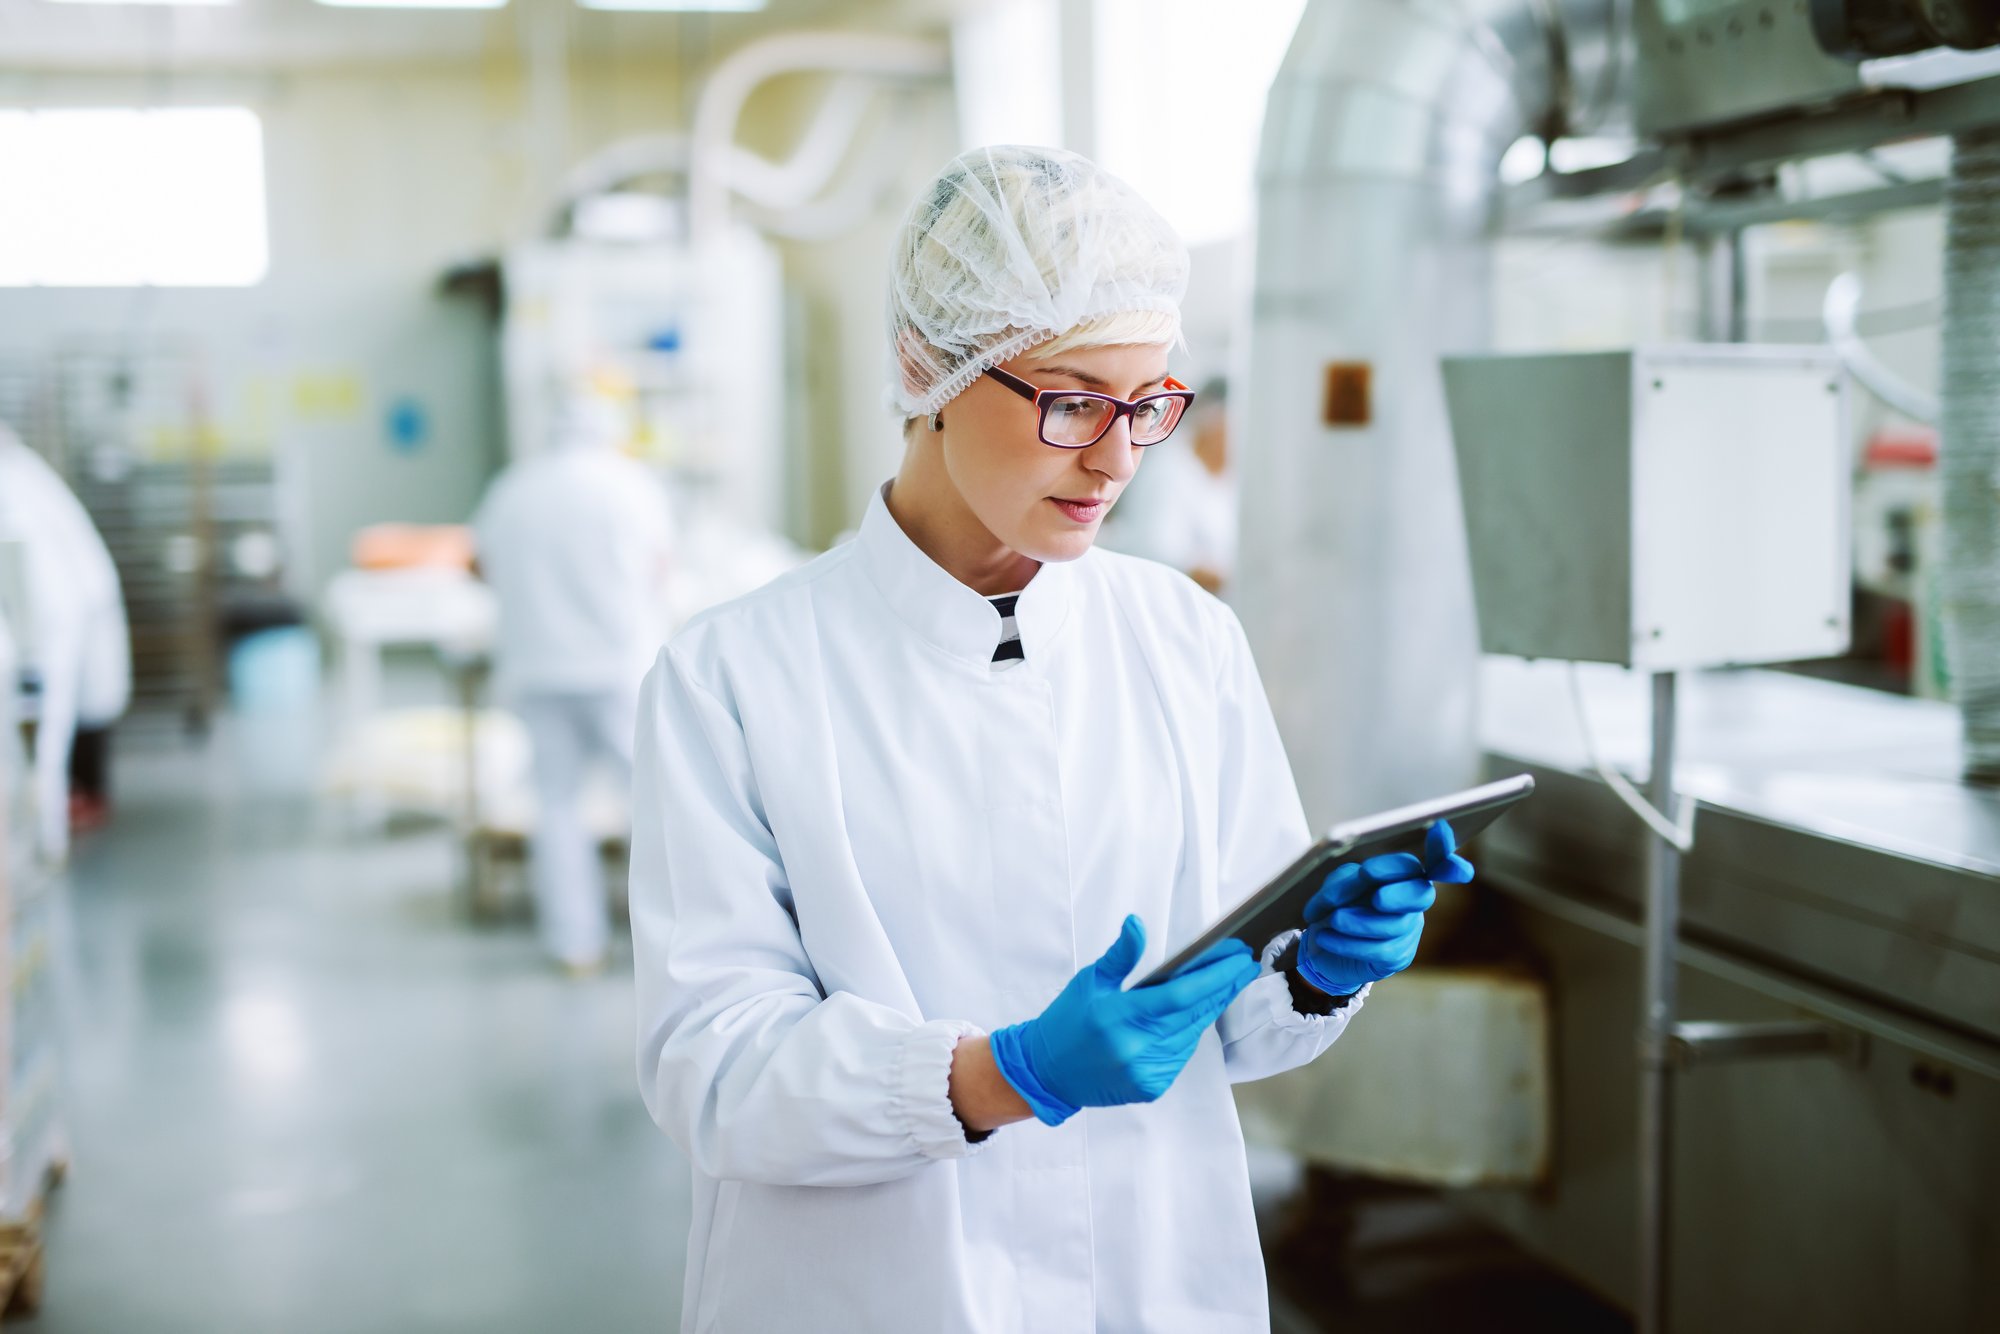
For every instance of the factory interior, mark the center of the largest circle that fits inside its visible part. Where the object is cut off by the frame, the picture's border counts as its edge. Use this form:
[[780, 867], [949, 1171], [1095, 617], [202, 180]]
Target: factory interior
[[1602, 391]]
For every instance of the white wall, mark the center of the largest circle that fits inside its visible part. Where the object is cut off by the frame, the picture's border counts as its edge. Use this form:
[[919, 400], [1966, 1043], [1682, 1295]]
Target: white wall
[[376, 183], [848, 437], [380, 180]]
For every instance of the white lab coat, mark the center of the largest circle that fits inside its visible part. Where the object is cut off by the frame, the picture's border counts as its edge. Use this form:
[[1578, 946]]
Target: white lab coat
[[855, 843], [575, 543], [77, 637]]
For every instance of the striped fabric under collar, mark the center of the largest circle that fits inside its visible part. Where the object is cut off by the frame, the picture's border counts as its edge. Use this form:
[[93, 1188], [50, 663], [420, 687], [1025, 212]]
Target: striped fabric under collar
[[1009, 649]]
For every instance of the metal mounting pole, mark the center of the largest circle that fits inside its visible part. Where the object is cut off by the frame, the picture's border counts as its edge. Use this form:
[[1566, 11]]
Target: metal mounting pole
[[1656, 1029], [1738, 326]]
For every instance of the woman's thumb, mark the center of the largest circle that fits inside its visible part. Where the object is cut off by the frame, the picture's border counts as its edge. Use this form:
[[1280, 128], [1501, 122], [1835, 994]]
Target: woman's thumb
[[1123, 956]]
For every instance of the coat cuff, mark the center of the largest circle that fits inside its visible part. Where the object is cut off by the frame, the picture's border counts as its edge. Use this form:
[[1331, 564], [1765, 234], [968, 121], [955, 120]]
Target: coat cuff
[[921, 1098], [1285, 1012]]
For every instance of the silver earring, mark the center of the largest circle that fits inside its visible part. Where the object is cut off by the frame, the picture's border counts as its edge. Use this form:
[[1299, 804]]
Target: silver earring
[[937, 421]]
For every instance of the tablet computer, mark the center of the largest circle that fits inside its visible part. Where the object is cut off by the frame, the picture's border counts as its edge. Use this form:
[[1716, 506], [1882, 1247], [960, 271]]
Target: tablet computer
[[1281, 905]]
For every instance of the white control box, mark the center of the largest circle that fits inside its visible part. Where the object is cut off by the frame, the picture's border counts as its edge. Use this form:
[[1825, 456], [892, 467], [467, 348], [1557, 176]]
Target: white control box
[[1664, 508]]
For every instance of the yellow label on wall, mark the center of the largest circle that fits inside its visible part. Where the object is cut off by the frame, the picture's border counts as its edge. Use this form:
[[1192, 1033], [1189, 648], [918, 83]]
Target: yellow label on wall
[[322, 396]]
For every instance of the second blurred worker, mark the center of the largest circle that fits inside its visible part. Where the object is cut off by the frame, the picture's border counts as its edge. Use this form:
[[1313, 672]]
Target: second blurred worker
[[576, 543]]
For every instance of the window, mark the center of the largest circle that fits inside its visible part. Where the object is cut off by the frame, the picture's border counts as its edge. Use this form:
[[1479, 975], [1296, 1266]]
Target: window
[[124, 198], [1180, 98]]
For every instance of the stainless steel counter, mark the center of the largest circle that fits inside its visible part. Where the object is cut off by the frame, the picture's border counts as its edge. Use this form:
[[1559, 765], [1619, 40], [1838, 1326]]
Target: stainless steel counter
[[1841, 876], [1834, 838]]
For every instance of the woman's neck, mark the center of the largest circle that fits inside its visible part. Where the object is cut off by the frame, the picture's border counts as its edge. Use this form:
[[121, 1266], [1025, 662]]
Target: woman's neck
[[932, 514]]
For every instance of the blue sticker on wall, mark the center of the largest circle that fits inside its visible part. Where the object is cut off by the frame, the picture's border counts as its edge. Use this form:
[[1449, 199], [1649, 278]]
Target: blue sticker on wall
[[408, 426]]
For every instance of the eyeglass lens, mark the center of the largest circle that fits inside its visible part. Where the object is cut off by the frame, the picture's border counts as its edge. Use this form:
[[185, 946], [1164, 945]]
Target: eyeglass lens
[[1078, 419]]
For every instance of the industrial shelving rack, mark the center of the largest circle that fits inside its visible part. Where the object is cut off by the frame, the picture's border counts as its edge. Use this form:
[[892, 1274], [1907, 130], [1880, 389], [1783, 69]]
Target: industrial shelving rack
[[33, 1149]]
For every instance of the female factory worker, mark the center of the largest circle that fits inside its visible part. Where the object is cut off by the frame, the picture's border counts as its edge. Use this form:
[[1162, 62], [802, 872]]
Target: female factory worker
[[891, 810]]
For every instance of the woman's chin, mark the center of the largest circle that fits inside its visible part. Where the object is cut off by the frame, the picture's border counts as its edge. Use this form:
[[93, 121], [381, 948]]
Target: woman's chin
[[1056, 548]]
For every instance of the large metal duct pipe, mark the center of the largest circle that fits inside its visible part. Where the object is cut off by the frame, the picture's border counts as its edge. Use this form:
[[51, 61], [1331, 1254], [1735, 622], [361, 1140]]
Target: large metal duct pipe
[[1382, 141], [1971, 456]]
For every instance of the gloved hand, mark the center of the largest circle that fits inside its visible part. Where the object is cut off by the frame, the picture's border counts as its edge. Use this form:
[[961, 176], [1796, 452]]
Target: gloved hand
[[1364, 923], [1098, 1045]]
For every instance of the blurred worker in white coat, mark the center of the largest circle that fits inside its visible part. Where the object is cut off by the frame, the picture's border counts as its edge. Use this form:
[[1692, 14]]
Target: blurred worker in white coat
[[908, 819], [1187, 512], [76, 641], [576, 543]]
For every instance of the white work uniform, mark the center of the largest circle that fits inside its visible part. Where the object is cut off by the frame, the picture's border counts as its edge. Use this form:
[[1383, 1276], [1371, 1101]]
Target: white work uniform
[[575, 543], [78, 636], [855, 843]]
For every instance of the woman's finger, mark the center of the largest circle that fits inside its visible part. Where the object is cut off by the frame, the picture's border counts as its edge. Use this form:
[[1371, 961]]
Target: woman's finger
[[1442, 863], [1391, 867], [1366, 924], [1404, 896], [1439, 842], [1206, 1008], [1189, 989], [1342, 885]]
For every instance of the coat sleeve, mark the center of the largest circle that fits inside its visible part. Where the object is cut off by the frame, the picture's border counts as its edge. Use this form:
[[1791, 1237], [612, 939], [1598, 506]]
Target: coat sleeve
[[753, 1072], [1260, 828]]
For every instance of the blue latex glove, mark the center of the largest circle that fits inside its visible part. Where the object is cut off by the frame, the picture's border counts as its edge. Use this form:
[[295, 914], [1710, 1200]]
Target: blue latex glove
[[1098, 1045], [1364, 923]]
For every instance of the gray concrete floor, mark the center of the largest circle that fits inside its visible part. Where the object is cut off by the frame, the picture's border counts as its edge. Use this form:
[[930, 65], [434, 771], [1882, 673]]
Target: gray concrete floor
[[305, 1096]]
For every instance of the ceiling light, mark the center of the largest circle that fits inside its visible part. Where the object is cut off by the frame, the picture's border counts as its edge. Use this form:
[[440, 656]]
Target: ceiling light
[[143, 2], [415, 4], [676, 6]]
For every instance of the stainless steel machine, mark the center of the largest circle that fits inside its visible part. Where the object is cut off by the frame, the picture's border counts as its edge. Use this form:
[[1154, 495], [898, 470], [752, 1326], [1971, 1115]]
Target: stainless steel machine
[[1777, 1058]]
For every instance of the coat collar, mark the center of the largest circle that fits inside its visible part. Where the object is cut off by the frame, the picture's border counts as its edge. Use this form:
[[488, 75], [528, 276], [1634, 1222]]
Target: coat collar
[[946, 612]]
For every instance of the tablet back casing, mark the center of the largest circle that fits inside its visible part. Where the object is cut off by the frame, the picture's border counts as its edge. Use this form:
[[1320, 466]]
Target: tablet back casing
[[1281, 904]]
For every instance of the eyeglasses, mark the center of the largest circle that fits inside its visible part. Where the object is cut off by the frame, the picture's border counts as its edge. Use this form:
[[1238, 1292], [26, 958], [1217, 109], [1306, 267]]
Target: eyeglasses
[[1075, 419]]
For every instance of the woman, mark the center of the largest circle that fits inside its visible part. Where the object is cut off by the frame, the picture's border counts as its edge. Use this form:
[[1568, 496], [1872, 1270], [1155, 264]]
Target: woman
[[891, 810]]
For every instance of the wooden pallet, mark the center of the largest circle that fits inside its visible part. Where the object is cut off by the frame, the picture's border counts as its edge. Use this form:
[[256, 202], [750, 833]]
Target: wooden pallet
[[21, 1264], [22, 1261]]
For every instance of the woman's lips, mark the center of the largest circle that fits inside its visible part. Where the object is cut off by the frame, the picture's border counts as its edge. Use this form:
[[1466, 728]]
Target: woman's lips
[[1081, 511]]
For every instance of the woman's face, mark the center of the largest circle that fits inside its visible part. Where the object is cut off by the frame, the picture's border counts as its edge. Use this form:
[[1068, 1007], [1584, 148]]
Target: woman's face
[[1043, 502]]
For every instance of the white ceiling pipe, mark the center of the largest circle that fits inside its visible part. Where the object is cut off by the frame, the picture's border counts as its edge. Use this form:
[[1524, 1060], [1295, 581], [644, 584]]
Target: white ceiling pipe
[[858, 193], [829, 135], [717, 164], [626, 160], [1841, 313]]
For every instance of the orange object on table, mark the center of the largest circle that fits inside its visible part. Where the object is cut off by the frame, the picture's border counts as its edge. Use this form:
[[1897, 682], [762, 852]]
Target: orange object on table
[[403, 546]]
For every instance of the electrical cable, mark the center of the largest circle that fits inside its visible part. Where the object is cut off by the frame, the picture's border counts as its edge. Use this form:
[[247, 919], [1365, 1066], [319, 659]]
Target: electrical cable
[[1679, 832]]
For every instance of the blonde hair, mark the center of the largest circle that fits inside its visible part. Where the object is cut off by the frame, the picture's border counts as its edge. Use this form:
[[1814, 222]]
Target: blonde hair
[[1142, 328]]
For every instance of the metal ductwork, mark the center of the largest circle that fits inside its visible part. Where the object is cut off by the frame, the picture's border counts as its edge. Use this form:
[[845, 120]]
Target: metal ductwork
[[1971, 457], [1377, 180], [1382, 142], [1856, 29]]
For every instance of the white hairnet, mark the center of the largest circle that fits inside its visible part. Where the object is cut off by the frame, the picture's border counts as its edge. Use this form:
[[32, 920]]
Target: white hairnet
[[1006, 249]]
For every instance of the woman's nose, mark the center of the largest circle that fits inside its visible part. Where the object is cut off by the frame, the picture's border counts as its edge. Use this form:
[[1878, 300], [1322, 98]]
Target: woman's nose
[[1113, 454]]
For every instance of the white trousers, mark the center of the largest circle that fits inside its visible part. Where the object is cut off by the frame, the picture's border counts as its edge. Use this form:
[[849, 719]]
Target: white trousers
[[571, 732]]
